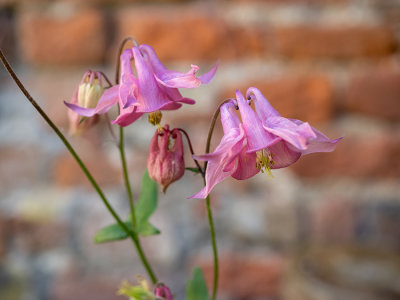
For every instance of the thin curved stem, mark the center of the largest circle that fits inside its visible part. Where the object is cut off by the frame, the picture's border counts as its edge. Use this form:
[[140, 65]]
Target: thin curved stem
[[126, 176], [66, 143], [135, 238], [191, 151], [121, 47], [214, 247], [211, 130], [208, 205], [130, 233], [106, 78]]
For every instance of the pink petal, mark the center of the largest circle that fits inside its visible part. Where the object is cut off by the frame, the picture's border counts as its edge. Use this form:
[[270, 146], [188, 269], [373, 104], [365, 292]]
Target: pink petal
[[206, 78], [229, 119], [174, 79], [257, 137], [87, 112], [296, 134], [321, 143], [127, 119], [150, 96], [282, 155], [263, 108], [219, 162], [179, 80], [128, 82], [246, 165]]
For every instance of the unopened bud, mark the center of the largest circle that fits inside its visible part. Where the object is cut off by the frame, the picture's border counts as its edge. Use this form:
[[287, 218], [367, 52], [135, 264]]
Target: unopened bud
[[165, 162], [163, 292], [90, 90]]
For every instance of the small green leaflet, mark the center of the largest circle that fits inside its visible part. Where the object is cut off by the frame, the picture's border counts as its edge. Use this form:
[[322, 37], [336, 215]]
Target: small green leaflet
[[111, 233], [196, 288], [144, 208], [148, 199]]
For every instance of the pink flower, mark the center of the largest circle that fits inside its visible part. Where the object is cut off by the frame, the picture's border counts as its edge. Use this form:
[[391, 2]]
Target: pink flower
[[153, 88], [165, 162], [87, 95], [262, 141], [230, 158], [163, 292]]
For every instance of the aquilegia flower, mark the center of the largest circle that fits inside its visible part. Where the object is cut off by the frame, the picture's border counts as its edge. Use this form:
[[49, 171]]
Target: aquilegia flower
[[262, 141], [231, 157], [153, 88], [165, 162], [86, 95]]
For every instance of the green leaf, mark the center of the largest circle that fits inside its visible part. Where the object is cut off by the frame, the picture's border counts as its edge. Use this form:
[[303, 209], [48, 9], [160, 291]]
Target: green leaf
[[146, 229], [194, 170], [196, 288], [148, 199], [111, 233]]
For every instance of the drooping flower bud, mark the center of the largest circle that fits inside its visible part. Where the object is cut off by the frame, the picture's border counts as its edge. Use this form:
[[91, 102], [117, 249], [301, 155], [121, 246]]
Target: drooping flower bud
[[165, 162], [163, 292], [87, 95]]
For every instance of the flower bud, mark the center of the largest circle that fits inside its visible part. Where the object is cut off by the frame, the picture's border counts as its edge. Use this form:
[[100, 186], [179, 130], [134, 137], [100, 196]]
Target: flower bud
[[165, 162], [90, 90], [86, 95], [163, 292]]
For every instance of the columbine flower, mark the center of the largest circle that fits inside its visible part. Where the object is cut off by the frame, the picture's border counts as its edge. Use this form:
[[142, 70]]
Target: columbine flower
[[278, 142], [87, 95], [262, 141], [230, 158], [165, 162], [154, 88]]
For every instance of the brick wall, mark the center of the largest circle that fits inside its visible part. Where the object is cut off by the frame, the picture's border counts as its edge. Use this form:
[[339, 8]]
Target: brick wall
[[334, 63]]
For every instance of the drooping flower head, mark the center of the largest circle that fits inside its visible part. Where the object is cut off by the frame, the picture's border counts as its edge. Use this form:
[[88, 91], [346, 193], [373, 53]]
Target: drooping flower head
[[153, 87], [165, 162], [230, 158], [261, 141], [86, 95]]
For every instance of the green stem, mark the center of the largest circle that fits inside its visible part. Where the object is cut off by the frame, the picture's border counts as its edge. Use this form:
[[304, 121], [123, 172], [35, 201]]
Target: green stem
[[81, 164], [209, 212], [214, 246], [135, 237], [126, 176], [66, 143]]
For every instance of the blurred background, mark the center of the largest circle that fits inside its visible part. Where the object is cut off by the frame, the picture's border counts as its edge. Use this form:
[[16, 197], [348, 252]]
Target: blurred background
[[326, 228]]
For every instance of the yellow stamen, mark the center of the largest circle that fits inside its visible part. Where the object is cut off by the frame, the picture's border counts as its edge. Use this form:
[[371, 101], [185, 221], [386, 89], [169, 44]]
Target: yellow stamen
[[155, 118], [264, 162]]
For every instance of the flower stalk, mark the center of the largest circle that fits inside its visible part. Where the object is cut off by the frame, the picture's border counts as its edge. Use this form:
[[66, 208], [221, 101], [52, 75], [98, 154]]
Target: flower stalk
[[66, 143]]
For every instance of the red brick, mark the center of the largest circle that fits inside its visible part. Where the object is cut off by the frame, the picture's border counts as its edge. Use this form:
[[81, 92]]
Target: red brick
[[355, 156], [334, 42], [53, 36], [76, 286], [187, 33], [324, 221], [308, 98], [19, 166], [376, 94], [66, 171], [247, 277]]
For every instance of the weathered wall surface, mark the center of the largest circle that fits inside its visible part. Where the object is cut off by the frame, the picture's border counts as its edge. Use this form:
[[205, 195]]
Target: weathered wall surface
[[325, 228]]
